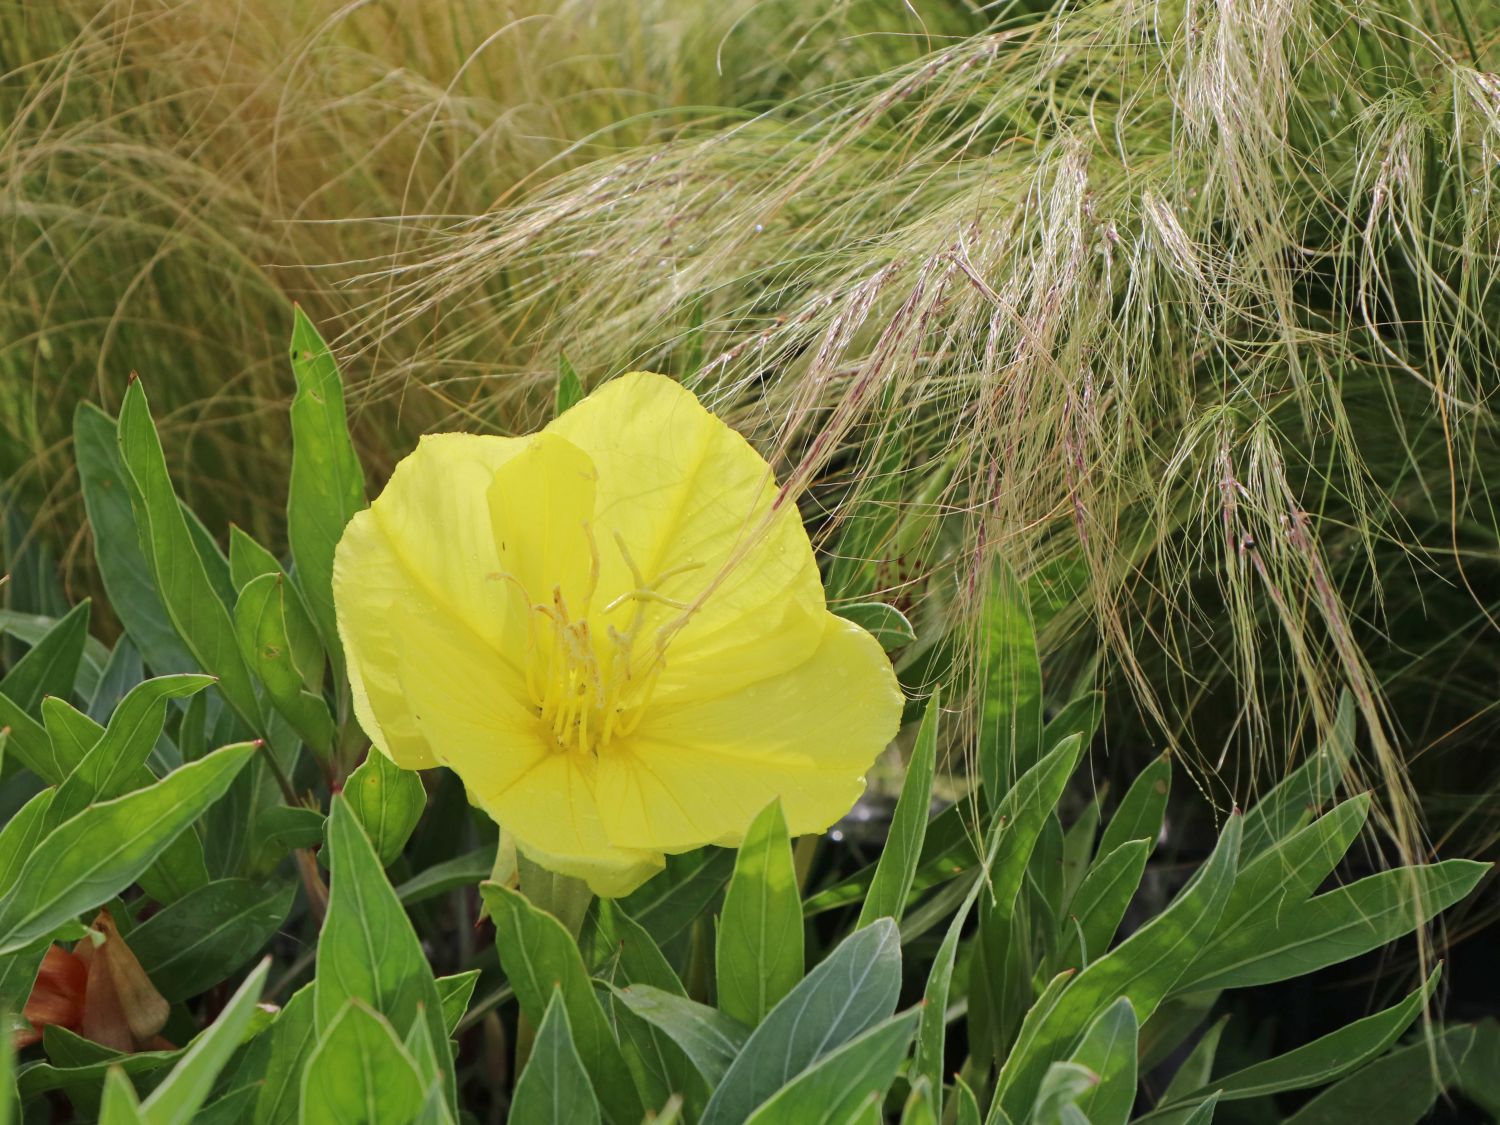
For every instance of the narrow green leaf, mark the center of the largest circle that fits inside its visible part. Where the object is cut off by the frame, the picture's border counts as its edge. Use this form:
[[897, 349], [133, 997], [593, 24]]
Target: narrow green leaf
[[292, 1036], [280, 829], [853, 989], [204, 937], [260, 626], [1143, 968], [20, 834], [710, 1039], [183, 583], [116, 763], [1058, 1095], [897, 867], [360, 1072], [1398, 1089], [1333, 927], [387, 801], [368, 950], [1197, 1068], [834, 1088], [1100, 903], [177, 1100], [119, 1106], [327, 485], [1324, 1060], [554, 1088], [538, 954], [1309, 787], [461, 871], [672, 901], [50, 666], [759, 953], [1108, 1051], [126, 572], [92, 857], [932, 1029], [1141, 810], [122, 671], [616, 939]]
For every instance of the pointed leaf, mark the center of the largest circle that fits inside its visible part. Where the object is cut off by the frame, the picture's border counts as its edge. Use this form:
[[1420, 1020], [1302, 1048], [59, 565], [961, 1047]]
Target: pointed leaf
[[834, 1088], [554, 1088], [388, 801], [89, 859], [759, 955], [897, 867], [359, 1072], [327, 485], [854, 988], [204, 937]]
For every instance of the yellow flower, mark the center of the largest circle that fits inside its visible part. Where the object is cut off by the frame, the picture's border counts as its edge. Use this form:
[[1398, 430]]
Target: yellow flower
[[613, 631]]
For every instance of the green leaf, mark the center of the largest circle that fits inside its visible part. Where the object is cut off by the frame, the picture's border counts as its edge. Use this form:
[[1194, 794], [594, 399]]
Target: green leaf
[[117, 762], [387, 801], [554, 1088], [283, 828], [1479, 1073], [89, 859], [260, 626], [947, 851], [672, 901], [1198, 1067], [368, 950], [1398, 1089], [1020, 816], [538, 954], [18, 971], [932, 1030], [293, 1036], [455, 993], [248, 560], [432, 1063], [177, 1100], [833, 1089], [1324, 1060], [569, 387], [50, 666], [359, 1072], [759, 951], [897, 867], [119, 1105], [327, 485], [1010, 721], [1141, 810], [1311, 785], [202, 938], [1058, 1095], [1100, 904], [123, 566], [1108, 1051], [461, 871], [885, 623], [1143, 968], [182, 581], [122, 671], [853, 989], [710, 1039], [1335, 926], [20, 834]]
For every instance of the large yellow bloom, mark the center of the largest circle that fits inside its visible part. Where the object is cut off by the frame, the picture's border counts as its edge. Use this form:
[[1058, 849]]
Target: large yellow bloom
[[613, 632]]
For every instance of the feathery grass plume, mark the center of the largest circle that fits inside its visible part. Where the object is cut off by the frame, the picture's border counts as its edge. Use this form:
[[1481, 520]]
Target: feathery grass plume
[[174, 172], [1192, 300]]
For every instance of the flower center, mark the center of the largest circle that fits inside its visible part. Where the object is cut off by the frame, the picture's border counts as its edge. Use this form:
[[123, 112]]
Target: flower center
[[590, 689]]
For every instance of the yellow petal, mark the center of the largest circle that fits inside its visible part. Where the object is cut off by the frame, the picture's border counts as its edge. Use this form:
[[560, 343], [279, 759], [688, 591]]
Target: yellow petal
[[698, 773], [461, 697], [687, 494], [541, 503], [552, 812], [424, 548]]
